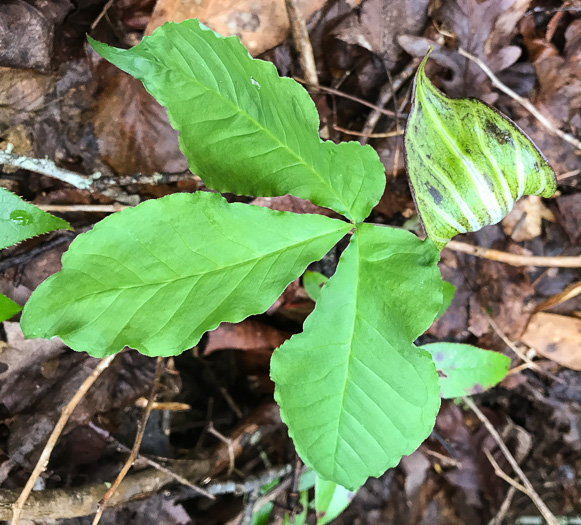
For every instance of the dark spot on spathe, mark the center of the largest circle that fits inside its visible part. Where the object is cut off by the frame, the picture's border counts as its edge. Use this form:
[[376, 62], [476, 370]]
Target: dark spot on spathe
[[442, 374], [3, 367], [435, 194], [551, 347], [476, 389], [439, 357], [501, 136]]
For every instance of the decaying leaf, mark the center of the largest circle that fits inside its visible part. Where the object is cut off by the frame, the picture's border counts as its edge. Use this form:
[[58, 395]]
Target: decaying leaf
[[467, 163], [555, 337], [133, 130], [524, 222], [377, 24], [260, 24]]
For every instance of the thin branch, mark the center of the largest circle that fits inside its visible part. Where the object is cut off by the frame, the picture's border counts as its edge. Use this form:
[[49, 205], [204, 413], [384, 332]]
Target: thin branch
[[539, 503], [228, 443], [386, 93], [514, 259], [136, 445], [331, 91], [84, 208], [497, 520], [52, 440], [503, 475], [369, 135], [522, 101], [47, 167], [302, 41]]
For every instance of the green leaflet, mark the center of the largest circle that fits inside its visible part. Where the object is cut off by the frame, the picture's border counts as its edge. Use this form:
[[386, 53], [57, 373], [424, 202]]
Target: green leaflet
[[330, 500], [467, 163], [465, 369], [156, 277], [20, 220], [8, 308], [313, 282], [244, 129], [353, 390]]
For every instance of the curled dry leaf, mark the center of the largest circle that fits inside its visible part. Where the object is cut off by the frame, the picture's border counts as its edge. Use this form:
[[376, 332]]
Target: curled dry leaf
[[260, 24], [133, 130], [555, 337], [524, 222]]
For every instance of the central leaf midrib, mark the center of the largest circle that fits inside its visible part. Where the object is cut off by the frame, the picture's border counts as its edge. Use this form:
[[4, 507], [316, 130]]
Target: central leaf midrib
[[264, 129], [350, 346], [201, 274]]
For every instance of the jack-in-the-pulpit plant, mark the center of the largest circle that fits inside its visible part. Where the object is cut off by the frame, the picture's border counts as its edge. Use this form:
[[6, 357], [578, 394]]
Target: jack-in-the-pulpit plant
[[354, 390]]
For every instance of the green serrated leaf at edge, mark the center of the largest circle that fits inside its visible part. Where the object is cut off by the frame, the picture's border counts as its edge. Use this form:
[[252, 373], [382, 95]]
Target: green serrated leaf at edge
[[20, 220], [8, 308], [157, 276], [244, 129], [466, 369], [467, 163], [354, 392]]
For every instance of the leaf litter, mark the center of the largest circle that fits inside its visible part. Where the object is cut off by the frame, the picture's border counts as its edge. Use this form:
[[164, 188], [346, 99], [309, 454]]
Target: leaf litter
[[67, 106]]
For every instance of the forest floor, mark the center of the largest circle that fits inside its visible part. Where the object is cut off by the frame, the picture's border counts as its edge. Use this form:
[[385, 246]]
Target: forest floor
[[216, 421]]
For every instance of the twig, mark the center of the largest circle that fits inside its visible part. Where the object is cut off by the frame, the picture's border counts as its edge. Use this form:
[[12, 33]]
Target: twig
[[386, 93], [249, 507], [101, 14], [567, 294], [522, 101], [85, 208], [514, 259], [331, 91], [369, 135], [228, 443], [497, 520], [302, 41], [158, 466], [47, 167], [136, 445], [52, 440], [539, 503], [29, 255], [503, 475]]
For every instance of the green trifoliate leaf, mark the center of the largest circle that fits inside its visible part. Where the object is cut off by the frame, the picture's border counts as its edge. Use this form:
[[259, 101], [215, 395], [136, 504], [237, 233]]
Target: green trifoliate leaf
[[353, 390], [467, 163], [330, 500], [20, 220], [313, 282], [244, 129], [465, 369], [156, 277], [8, 308]]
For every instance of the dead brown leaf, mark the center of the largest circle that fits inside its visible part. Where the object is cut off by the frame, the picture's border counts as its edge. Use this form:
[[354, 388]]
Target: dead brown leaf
[[379, 22], [133, 130], [524, 222], [249, 335], [570, 215], [556, 337], [292, 204], [21, 91], [484, 29], [26, 36], [260, 24]]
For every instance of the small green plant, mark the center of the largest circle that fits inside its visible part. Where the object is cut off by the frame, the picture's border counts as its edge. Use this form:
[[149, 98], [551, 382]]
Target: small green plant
[[354, 390], [20, 220]]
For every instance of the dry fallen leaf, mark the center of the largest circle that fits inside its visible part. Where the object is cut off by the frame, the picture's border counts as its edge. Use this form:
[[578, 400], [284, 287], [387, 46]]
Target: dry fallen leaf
[[376, 26], [523, 223], [260, 24], [133, 130], [249, 335], [556, 337]]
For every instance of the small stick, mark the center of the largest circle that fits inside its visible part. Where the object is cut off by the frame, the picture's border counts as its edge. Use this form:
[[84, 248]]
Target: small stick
[[514, 259], [135, 450], [52, 440], [522, 101], [86, 208], [338, 93], [539, 503], [497, 520], [228, 443], [158, 466], [503, 475], [302, 41], [46, 167], [387, 92], [370, 135]]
